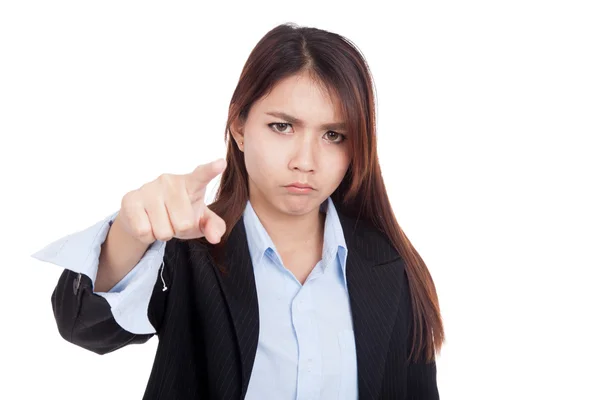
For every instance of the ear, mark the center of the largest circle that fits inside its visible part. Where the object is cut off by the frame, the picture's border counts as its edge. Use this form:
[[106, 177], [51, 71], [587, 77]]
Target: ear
[[237, 133]]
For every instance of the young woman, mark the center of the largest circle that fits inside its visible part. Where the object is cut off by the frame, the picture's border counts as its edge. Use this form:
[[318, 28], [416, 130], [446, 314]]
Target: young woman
[[296, 282]]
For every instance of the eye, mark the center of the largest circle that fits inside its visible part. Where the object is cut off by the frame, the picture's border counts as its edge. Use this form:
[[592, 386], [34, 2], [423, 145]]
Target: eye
[[335, 137], [277, 125]]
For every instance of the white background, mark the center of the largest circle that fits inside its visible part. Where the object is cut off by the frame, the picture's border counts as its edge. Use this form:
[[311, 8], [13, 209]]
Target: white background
[[488, 128]]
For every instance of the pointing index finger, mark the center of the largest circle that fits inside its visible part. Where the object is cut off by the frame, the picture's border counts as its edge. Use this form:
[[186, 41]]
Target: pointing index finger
[[203, 174]]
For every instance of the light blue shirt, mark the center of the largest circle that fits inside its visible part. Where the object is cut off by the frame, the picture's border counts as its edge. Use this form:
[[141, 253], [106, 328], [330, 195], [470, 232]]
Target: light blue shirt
[[306, 342], [306, 346]]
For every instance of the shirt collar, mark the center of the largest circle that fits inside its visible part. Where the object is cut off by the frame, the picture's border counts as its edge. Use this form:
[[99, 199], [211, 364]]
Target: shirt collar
[[259, 240], [334, 244]]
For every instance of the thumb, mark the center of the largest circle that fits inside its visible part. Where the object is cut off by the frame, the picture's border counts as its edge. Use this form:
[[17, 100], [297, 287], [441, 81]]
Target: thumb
[[212, 226]]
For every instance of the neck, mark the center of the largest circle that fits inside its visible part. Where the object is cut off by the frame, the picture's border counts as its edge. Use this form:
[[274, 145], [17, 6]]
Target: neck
[[291, 233]]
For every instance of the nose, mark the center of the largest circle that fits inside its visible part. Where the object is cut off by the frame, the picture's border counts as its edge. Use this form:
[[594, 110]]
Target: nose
[[304, 154]]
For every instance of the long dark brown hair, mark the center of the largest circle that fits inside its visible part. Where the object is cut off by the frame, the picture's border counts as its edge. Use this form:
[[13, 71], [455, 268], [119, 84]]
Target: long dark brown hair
[[335, 62]]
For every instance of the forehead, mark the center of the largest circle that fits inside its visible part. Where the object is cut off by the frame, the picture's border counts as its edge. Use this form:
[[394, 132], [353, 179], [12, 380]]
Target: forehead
[[304, 97]]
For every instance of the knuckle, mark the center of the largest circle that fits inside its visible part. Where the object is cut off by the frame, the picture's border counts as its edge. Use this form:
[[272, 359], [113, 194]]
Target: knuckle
[[184, 226], [163, 177], [128, 199], [163, 236], [166, 180], [141, 232], [171, 185], [141, 229]]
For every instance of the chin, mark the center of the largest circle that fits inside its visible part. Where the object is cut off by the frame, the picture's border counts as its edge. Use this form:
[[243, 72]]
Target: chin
[[299, 205]]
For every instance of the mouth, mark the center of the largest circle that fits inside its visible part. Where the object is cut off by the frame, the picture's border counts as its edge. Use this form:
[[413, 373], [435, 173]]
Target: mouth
[[298, 187]]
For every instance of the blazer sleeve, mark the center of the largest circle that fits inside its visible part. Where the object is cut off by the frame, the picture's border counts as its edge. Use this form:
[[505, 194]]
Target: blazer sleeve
[[105, 321], [85, 319]]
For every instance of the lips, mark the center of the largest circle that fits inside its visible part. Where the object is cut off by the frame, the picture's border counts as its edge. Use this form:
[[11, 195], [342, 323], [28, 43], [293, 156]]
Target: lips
[[300, 185]]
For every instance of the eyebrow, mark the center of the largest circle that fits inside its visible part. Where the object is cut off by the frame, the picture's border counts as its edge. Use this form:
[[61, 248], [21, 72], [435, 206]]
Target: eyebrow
[[293, 120]]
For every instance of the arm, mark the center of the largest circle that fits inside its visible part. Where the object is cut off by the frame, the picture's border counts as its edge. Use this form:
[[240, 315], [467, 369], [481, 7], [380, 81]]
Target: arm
[[105, 321], [119, 254]]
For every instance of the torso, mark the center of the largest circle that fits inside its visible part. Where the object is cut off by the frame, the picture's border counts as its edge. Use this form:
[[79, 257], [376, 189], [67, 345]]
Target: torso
[[210, 326]]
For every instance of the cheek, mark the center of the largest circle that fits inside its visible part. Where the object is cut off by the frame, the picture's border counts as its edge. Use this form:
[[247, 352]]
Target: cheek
[[263, 160], [344, 158], [337, 168]]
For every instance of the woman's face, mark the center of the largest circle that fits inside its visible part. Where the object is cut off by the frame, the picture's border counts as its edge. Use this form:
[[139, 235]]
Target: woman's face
[[293, 135]]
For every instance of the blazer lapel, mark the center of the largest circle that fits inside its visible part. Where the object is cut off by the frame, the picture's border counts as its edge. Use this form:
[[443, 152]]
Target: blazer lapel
[[374, 271], [239, 290]]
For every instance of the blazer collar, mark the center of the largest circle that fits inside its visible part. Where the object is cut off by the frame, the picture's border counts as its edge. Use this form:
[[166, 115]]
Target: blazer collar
[[373, 271]]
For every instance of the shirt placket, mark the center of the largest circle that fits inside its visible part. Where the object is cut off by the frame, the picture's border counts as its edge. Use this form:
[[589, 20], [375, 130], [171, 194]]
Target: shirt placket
[[309, 354]]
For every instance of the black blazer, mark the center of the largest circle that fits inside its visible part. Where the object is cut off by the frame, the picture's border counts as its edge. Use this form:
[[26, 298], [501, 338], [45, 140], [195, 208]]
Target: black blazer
[[207, 322]]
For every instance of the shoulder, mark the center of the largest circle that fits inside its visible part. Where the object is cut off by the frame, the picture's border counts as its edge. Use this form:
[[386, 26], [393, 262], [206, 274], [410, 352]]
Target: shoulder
[[372, 244]]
